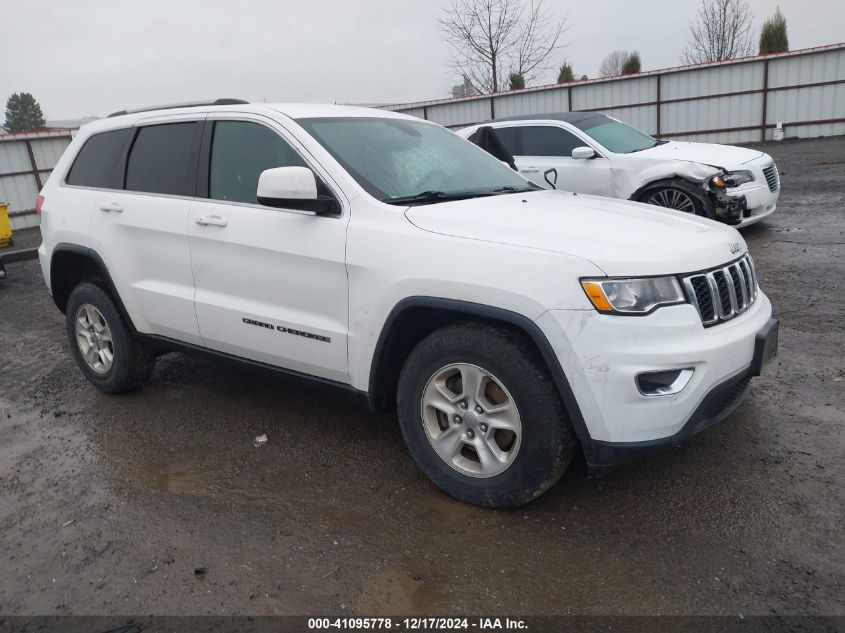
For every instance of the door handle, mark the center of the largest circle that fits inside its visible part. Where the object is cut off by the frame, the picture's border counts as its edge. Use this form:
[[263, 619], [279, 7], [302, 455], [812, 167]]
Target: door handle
[[212, 220], [111, 207], [530, 168]]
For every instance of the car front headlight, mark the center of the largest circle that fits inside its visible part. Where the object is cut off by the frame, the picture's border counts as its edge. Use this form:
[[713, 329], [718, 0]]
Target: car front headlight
[[633, 296], [733, 179]]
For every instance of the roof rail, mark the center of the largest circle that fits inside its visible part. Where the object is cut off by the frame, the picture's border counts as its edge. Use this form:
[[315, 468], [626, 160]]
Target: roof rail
[[189, 104]]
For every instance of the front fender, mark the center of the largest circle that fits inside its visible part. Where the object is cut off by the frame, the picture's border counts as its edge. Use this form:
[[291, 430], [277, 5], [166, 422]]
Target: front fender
[[629, 183]]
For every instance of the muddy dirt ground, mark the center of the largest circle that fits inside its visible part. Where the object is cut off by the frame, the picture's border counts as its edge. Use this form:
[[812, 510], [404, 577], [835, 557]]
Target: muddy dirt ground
[[109, 504]]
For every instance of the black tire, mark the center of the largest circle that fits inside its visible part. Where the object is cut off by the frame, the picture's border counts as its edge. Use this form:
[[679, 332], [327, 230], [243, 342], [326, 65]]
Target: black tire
[[548, 441], [702, 205], [132, 364]]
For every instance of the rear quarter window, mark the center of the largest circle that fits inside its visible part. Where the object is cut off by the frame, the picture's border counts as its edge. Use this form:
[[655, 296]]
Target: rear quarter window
[[100, 161]]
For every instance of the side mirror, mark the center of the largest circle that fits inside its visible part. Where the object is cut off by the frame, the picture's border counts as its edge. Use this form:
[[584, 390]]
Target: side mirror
[[294, 188], [550, 176], [582, 153]]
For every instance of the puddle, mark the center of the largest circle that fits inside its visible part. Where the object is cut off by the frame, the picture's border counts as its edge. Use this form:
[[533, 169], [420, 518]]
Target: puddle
[[176, 482], [417, 590]]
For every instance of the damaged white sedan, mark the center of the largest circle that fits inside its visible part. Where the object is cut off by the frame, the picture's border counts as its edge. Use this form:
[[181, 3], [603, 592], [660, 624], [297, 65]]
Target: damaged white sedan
[[592, 153]]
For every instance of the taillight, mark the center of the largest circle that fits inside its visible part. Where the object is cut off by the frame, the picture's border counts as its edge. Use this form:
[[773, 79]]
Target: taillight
[[39, 202]]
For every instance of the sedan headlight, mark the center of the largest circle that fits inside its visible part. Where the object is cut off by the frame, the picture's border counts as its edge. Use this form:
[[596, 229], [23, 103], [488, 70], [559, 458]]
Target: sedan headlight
[[733, 179], [633, 296]]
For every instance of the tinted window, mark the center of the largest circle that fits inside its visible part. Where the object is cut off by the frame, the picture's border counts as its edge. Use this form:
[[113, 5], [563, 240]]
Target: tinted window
[[99, 162], [507, 135], [548, 141], [240, 151], [161, 158]]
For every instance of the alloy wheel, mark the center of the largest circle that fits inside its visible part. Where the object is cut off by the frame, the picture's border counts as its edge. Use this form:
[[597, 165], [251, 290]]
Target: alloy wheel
[[471, 420], [673, 199], [94, 338]]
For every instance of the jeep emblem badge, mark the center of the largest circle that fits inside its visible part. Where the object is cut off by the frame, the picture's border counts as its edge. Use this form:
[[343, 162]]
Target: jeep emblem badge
[[735, 247]]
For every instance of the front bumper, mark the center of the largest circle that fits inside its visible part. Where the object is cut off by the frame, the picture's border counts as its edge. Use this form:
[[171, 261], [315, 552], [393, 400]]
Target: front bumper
[[718, 404], [759, 202], [756, 198], [602, 354]]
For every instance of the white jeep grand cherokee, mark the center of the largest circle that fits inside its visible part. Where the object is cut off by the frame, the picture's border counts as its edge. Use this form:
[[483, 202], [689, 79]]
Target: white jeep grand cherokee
[[382, 255]]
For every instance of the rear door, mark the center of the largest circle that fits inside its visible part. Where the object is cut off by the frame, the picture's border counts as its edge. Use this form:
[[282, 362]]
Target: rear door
[[271, 284], [544, 147], [140, 230]]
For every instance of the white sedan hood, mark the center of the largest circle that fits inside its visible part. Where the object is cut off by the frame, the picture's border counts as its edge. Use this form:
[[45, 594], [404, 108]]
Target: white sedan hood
[[622, 238], [727, 156]]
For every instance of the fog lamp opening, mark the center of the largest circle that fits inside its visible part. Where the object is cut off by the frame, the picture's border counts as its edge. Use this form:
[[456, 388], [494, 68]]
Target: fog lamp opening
[[664, 383]]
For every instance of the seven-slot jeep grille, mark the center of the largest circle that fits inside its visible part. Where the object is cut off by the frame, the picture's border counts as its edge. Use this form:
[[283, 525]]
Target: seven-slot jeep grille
[[722, 293], [770, 171]]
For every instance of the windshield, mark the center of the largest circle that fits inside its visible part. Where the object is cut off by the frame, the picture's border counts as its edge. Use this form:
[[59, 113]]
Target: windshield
[[406, 161], [616, 136]]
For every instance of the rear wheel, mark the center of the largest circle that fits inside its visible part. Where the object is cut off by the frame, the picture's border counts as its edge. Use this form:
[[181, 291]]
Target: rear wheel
[[102, 344], [681, 196], [482, 417]]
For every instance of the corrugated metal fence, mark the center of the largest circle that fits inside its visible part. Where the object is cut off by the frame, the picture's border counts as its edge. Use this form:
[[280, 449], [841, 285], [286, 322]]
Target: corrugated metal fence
[[725, 102], [26, 160]]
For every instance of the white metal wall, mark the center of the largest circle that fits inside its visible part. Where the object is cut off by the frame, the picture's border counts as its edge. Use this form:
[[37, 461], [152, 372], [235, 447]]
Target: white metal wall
[[18, 182], [728, 102]]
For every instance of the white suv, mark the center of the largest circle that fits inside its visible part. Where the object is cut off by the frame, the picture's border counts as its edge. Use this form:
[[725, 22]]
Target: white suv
[[384, 256]]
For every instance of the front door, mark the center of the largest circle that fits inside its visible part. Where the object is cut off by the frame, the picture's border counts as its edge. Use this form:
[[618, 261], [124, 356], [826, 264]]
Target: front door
[[271, 284], [543, 147]]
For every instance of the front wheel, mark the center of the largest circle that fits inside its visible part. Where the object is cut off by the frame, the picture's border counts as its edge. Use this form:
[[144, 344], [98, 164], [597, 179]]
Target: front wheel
[[681, 196], [482, 417]]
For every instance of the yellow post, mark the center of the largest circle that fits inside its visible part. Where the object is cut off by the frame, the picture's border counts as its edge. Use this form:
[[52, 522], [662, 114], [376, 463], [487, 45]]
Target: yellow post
[[5, 225]]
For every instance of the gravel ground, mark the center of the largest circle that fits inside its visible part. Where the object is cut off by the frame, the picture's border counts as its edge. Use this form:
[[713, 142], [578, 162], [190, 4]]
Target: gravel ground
[[109, 505], [23, 238]]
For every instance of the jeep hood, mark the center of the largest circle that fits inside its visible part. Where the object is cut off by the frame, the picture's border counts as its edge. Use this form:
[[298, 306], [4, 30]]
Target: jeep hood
[[622, 238], [727, 156]]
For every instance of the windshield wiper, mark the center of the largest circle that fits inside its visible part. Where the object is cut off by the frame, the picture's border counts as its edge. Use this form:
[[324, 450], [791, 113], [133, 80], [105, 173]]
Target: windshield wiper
[[436, 196], [499, 190]]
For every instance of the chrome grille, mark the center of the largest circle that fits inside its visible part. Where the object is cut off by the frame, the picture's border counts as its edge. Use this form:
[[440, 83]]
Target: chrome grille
[[723, 293], [770, 171]]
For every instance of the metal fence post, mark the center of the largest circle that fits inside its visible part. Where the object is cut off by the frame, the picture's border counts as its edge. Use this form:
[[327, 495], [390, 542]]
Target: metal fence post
[[765, 100], [35, 173], [658, 105]]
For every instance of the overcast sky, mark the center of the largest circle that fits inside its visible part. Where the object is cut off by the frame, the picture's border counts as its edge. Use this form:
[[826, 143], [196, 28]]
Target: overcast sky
[[90, 57]]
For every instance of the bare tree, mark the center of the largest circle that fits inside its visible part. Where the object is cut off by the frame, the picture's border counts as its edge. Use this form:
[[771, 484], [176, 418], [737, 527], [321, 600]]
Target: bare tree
[[538, 37], [493, 38], [721, 30], [613, 63]]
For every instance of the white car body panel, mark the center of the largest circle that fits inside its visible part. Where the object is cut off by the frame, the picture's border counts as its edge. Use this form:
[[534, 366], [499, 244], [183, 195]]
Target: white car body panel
[[339, 278], [623, 175]]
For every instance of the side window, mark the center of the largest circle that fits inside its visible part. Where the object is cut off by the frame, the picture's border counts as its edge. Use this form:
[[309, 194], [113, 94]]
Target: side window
[[539, 140], [161, 158], [508, 137], [100, 161], [240, 151]]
